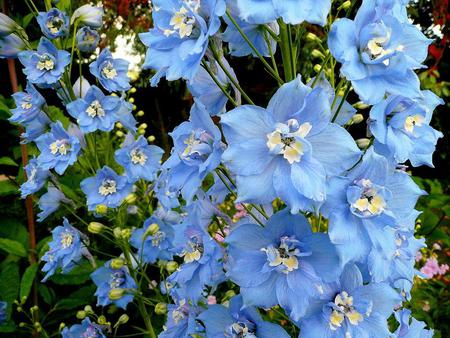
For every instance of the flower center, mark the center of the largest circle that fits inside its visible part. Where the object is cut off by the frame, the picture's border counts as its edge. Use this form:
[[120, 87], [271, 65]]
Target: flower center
[[116, 280], [413, 121], [91, 332], [108, 187], [26, 103], [240, 330], [180, 312], [138, 157], [194, 251], [343, 308], [376, 47], [109, 71], [157, 238], [286, 140], [285, 255], [60, 147], [46, 62], [95, 109], [198, 146], [54, 25], [66, 239], [370, 201]]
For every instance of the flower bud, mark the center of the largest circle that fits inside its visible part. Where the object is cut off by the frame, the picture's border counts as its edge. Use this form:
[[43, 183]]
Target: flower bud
[[95, 227], [317, 68], [143, 126], [87, 39], [34, 308], [119, 125], [7, 25], [161, 308], [119, 133], [357, 118], [62, 326], [88, 15], [22, 324], [101, 209], [102, 320], [81, 314], [151, 230], [361, 105], [362, 143], [140, 113], [131, 100], [346, 4], [151, 138], [317, 54], [130, 199], [141, 131], [117, 231], [88, 309], [228, 295], [312, 37], [115, 294], [11, 46], [123, 319], [126, 234], [171, 266], [117, 263], [133, 90]]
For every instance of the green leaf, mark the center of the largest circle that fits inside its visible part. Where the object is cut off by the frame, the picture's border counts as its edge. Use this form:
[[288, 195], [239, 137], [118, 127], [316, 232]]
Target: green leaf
[[46, 293], [13, 247], [7, 188], [9, 284], [13, 229], [64, 5], [27, 280], [77, 276], [26, 20], [8, 161], [8, 327], [57, 114]]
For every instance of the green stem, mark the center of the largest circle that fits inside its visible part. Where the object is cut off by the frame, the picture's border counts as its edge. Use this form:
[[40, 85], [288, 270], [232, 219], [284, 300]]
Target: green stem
[[324, 63], [73, 47], [222, 88], [286, 51], [292, 52], [347, 90], [272, 54]]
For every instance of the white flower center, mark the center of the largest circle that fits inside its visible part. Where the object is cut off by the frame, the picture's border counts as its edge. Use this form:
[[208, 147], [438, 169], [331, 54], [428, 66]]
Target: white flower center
[[370, 201], [59, 147], [66, 239], [109, 71], [45, 63], [26, 104], [95, 109], [54, 25], [413, 121], [138, 157], [108, 187], [344, 309], [376, 47]]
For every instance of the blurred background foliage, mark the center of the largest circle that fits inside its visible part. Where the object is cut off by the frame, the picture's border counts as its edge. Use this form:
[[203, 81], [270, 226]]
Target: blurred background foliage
[[159, 110]]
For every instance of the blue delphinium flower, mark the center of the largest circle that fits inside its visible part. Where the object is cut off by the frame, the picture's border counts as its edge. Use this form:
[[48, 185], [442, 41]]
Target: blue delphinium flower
[[106, 278], [85, 329], [46, 65], [181, 320], [88, 15], [410, 327], [154, 240], [205, 90], [372, 195], [197, 151], [28, 105], [36, 178], [378, 52], [35, 127], [256, 33], [283, 263], [201, 267], [65, 250], [238, 321], [179, 39], [291, 11], [50, 201], [54, 23], [95, 111], [350, 309], [288, 149], [106, 187], [58, 149], [3, 314], [401, 128], [139, 159], [87, 39], [111, 72], [166, 194], [125, 116], [11, 46]]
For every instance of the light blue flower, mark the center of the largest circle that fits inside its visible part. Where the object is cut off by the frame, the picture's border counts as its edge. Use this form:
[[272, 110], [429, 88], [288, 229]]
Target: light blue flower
[[28, 105], [3, 313], [197, 152], [205, 90], [256, 33], [179, 39], [54, 23], [45, 66], [95, 111], [111, 72], [288, 149], [36, 178], [50, 202], [107, 278], [202, 266], [11, 46], [58, 149], [106, 187], [372, 196], [88, 15], [65, 250], [350, 309], [166, 194], [402, 131], [181, 320], [282, 263], [125, 116], [35, 128], [85, 329], [410, 327], [291, 11], [238, 321], [139, 159], [379, 52], [154, 240], [7, 25], [87, 39]]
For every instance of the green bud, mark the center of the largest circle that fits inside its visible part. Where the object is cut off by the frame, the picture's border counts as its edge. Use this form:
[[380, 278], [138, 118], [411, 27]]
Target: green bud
[[228, 295], [123, 319], [95, 227], [311, 37], [171, 266], [141, 131], [88, 309], [151, 230], [81, 314], [162, 263], [133, 90], [101, 209], [102, 320], [361, 105], [116, 294], [363, 143], [151, 138], [161, 308], [346, 4], [62, 326], [117, 263], [19, 309], [130, 199], [317, 54], [119, 133], [22, 324], [317, 68], [117, 232], [131, 100], [357, 118], [34, 308], [126, 234], [119, 125], [143, 126], [140, 113]]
